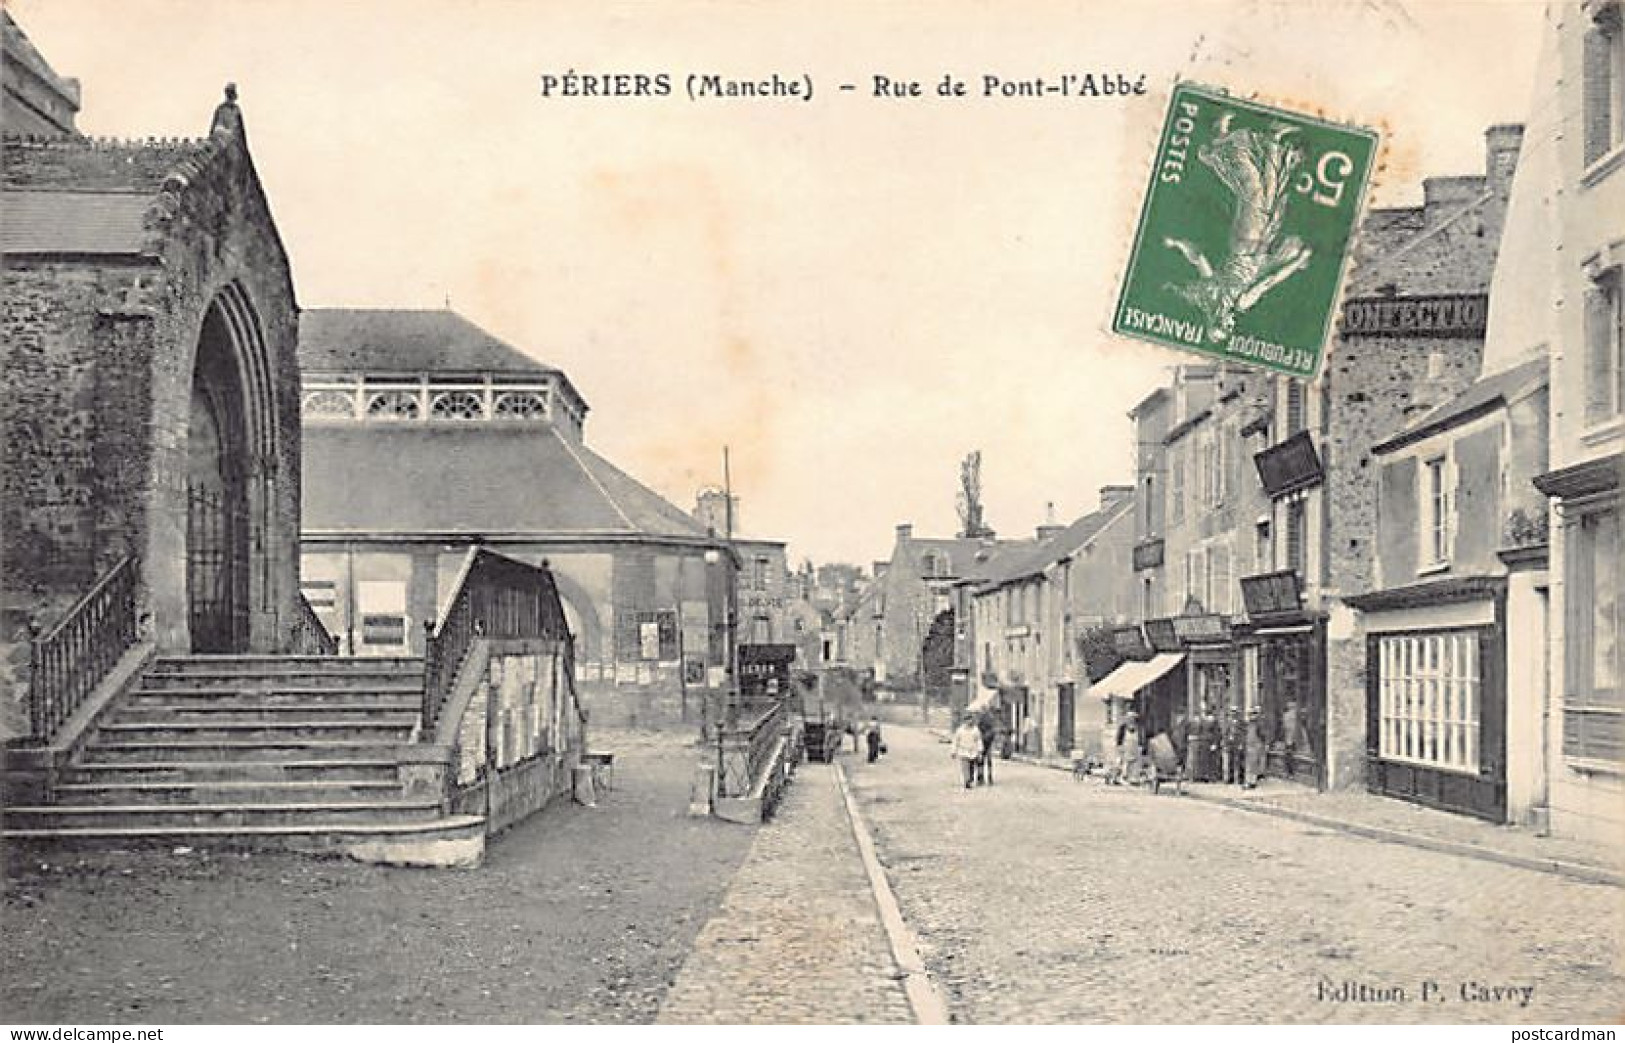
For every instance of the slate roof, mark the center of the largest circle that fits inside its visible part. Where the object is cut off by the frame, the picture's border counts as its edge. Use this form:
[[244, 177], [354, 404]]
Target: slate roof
[[404, 340], [475, 479], [81, 223], [965, 558], [1479, 395], [1058, 547]]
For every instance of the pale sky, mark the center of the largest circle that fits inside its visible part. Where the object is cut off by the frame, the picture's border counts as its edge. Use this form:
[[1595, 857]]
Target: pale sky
[[850, 292]]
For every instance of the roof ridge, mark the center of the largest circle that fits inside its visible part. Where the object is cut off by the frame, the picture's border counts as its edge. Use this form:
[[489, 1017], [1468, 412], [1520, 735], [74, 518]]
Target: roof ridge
[[588, 471], [99, 143]]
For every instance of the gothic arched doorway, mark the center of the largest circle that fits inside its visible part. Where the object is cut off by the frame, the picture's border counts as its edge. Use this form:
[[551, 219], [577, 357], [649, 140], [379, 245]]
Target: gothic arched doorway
[[217, 501]]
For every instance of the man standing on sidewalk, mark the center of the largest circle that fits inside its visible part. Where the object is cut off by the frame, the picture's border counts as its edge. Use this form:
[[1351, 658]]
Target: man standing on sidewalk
[[967, 749]]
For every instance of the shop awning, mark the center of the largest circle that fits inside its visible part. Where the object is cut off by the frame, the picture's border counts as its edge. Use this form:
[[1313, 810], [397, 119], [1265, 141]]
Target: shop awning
[[1132, 676]]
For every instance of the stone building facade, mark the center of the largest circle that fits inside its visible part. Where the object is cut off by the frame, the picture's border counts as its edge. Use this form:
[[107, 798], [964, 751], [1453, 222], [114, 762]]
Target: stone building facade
[[1410, 338], [1028, 614], [913, 588], [150, 331], [1568, 306], [1454, 689]]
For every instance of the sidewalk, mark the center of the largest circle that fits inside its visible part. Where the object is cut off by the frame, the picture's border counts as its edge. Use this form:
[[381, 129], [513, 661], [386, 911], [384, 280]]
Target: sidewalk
[[798, 938], [1400, 822]]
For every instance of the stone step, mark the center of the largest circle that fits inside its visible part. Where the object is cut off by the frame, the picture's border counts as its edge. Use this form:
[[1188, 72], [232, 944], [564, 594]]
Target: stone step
[[229, 813], [186, 751], [359, 769], [182, 683], [387, 728], [392, 712], [455, 840], [261, 665], [220, 792]]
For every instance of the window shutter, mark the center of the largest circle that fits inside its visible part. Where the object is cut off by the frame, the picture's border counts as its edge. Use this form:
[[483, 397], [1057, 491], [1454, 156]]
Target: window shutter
[[1294, 408], [1597, 74], [1599, 334], [1223, 602]]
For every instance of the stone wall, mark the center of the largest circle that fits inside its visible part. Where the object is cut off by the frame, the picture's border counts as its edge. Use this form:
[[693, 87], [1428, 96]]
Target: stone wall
[[99, 356], [519, 736]]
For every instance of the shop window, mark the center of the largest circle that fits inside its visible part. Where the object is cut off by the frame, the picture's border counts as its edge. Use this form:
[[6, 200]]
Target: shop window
[[1593, 710], [1605, 340], [1429, 692]]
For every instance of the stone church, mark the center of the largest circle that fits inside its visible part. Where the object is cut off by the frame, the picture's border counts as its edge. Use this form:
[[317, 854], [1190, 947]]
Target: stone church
[[148, 342]]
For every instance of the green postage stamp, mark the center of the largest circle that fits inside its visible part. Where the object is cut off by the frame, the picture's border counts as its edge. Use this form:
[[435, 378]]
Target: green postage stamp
[[1245, 231]]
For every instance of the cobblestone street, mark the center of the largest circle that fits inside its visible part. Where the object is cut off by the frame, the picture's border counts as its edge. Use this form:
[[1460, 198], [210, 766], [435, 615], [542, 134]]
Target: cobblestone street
[[1044, 899], [798, 938]]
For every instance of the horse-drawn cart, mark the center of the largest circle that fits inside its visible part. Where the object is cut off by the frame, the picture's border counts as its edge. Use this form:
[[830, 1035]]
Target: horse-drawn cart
[[822, 736]]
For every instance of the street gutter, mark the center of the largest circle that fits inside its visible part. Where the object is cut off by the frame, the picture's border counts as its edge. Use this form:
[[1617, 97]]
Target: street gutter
[[923, 995]]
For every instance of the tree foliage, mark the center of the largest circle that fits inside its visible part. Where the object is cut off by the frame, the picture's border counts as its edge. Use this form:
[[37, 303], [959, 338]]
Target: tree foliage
[[972, 523]]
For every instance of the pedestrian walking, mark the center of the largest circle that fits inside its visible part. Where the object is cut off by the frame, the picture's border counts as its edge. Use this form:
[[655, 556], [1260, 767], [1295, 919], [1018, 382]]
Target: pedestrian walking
[[1129, 748], [988, 729], [967, 748], [872, 737], [1233, 744], [1253, 766]]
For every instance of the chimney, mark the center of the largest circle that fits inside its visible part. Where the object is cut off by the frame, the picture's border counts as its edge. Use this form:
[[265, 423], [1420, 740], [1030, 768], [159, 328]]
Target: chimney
[[1502, 143], [905, 532], [878, 568], [1442, 196], [1112, 495]]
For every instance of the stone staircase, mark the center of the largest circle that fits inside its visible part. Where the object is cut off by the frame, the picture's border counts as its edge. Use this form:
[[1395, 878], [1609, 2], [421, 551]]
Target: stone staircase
[[300, 752]]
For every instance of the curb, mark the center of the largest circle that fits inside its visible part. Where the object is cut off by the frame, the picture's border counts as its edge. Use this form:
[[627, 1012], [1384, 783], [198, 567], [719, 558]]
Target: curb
[[923, 995], [1574, 870], [1582, 871]]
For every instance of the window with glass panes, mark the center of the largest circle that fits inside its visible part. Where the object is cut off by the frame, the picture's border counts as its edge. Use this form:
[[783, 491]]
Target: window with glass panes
[[1296, 533], [1429, 690], [1605, 344], [1593, 707]]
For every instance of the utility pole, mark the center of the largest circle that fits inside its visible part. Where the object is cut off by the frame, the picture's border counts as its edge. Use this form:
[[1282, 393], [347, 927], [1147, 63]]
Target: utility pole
[[732, 592]]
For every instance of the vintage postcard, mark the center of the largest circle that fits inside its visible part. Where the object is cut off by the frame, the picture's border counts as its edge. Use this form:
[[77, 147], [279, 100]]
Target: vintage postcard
[[529, 512]]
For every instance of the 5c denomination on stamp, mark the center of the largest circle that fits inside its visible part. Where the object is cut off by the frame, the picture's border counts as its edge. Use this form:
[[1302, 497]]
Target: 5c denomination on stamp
[[1245, 231]]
